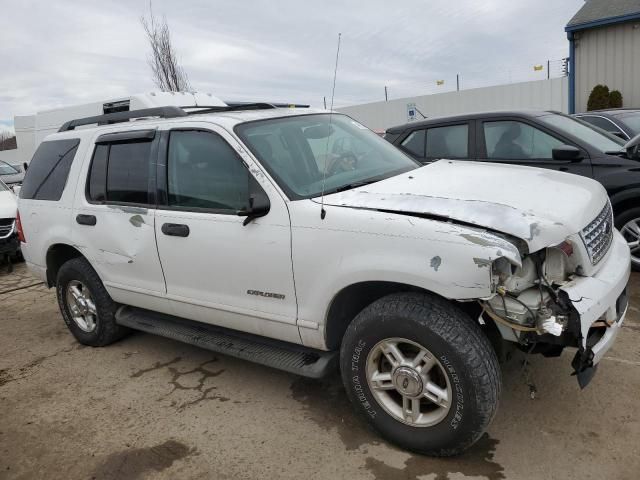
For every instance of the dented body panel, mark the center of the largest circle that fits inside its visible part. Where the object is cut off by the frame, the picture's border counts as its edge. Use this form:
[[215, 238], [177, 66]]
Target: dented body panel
[[541, 207]]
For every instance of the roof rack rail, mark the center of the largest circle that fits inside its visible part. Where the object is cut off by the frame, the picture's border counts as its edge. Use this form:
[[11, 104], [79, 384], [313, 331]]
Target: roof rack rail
[[277, 105], [238, 106], [108, 118]]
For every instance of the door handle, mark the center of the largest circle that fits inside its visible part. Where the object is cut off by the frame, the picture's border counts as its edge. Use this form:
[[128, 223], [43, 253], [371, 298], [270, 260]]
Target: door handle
[[89, 220], [175, 229]]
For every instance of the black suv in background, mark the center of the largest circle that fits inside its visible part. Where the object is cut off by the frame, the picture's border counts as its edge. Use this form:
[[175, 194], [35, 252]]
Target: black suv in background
[[537, 139], [622, 122]]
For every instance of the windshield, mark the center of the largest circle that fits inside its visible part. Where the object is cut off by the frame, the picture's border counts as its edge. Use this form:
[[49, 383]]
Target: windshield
[[298, 150], [594, 136], [3, 187], [6, 169], [631, 120]]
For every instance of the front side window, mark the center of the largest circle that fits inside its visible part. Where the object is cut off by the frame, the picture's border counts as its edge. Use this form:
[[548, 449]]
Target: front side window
[[120, 173], [598, 139], [511, 140], [601, 122], [448, 142], [632, 120], [204, 172], [48, 170], [305, 152]]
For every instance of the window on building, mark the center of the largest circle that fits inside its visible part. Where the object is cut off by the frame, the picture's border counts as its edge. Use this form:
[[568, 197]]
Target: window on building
[[203, 171], [511, 140]]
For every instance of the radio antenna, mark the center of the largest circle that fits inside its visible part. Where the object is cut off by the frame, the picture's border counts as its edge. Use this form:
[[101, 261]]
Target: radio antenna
[[323, 212]]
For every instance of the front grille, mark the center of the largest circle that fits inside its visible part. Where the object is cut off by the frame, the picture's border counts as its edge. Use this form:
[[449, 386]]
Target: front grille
[[598, 234], [6, 227]]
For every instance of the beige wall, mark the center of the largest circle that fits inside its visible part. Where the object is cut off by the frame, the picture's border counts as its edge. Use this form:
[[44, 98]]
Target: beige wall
[[537, 95], [611, 56]]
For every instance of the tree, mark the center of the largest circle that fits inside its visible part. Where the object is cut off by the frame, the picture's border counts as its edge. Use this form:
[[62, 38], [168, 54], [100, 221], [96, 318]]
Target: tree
[[168, 75], [615, 99], [7, 140], [599, 98]]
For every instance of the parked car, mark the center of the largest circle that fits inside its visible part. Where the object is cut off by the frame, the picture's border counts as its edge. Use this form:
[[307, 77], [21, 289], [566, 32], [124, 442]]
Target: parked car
[[242, 230], [536, 139], [9, 245], [622, 122], [11, 174]]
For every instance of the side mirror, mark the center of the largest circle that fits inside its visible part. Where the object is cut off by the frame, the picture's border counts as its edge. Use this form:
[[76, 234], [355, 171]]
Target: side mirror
[[25, 165], [632, 147], [259, 204], [567, 153]]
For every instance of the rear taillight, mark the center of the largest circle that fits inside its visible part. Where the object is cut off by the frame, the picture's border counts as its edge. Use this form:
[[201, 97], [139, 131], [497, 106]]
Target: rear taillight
[[19, 228]]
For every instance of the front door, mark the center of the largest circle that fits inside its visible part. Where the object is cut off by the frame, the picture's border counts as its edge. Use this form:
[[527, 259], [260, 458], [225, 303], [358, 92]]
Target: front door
[[521, 143], [217, 269]]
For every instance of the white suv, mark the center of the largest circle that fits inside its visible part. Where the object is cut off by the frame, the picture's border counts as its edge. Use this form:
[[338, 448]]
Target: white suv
[[300, 239]]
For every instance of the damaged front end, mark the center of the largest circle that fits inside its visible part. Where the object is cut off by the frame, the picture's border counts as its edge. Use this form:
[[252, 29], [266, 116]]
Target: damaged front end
[[569, 295]]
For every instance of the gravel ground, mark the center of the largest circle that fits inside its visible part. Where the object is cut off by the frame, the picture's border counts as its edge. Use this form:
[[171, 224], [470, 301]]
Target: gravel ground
[[148, 407]]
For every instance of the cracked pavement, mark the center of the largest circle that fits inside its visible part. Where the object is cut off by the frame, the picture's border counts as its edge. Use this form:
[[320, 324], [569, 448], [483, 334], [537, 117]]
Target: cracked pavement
[[149, 407]]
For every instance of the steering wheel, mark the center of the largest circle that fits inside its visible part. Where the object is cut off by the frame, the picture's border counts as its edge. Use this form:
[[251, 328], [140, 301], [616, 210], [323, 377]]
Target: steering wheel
[[345, 162]]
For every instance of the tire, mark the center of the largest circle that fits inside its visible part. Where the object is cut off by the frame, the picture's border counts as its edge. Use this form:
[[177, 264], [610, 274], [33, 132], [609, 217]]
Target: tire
[[626, 218], [464, 356], [105, 330]]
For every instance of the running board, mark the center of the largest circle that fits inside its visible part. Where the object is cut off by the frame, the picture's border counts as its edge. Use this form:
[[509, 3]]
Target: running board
[[266, 351]]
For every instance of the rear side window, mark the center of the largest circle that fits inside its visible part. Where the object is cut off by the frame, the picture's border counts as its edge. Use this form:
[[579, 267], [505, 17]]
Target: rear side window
[[414, 143], [47, 174], [448, 142], [120, 173]]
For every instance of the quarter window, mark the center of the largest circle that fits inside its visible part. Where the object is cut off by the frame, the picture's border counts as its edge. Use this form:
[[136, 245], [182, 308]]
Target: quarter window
[[47, 174], [414, 143], [510, 140], [203, 171], [120, 173], [448, 142]]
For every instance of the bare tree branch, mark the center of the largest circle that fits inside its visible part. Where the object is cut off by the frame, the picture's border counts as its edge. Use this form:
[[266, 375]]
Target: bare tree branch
[[168, 75]]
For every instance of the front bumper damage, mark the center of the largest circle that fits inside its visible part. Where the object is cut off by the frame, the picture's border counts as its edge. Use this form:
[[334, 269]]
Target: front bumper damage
[[600, 303]]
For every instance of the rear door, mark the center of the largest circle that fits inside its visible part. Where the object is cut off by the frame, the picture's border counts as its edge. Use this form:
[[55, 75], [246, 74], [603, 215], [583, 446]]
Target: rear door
[[521, 142], [453, 141], [114, 217]]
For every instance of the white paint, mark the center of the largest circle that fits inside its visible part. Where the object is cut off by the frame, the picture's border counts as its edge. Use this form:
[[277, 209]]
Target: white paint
[[537, 95]]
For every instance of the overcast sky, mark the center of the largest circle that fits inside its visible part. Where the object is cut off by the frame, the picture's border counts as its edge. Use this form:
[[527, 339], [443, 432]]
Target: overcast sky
[[55, 53]]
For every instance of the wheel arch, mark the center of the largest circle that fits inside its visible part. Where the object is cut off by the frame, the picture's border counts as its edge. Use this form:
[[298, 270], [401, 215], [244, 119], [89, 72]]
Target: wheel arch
[[625, 200], [57, 255], [352, 299]]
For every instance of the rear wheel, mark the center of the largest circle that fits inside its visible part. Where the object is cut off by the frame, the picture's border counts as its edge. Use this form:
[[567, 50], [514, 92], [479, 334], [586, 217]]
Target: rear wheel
[[628, 222], [86, 307], [421, 372]]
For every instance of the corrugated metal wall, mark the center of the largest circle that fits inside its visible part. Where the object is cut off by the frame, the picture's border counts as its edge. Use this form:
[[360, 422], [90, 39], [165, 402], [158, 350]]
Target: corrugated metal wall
[[539, 95], [610, 56]]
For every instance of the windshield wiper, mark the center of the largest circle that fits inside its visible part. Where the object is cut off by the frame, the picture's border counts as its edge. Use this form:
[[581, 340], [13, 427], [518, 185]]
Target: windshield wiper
[[349, 186]]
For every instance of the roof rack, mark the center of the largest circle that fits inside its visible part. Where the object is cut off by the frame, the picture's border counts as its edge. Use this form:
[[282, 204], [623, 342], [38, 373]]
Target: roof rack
[[171, 112], [106, 119]]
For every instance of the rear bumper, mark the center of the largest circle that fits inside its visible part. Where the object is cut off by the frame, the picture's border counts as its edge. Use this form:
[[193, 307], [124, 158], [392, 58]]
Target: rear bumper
[[601, 298]]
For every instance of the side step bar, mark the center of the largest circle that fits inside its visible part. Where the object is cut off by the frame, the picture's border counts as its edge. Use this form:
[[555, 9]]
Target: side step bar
[[273, 353]]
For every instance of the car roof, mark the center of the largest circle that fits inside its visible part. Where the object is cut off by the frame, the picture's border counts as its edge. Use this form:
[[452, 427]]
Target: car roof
[[610, 112], [469, 116], [224, 119]]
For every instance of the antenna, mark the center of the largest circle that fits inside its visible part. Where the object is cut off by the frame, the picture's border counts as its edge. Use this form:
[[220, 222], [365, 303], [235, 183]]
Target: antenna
[[323, 212]]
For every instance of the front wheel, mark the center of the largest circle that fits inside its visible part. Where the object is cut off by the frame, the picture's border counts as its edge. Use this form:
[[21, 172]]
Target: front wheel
[[628, 222], [421, 372]]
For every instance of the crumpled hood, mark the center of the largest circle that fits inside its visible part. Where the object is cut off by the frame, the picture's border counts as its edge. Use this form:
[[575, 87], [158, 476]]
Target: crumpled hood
[[8, 204], [541, 207]]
